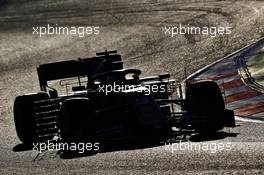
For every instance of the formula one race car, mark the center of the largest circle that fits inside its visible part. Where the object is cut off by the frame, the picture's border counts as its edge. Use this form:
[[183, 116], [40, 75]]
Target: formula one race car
[[105, 103]]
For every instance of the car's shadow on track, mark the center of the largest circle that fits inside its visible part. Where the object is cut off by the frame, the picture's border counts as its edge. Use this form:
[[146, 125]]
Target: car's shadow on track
[[107, 149], [22, 147], [111, 147], [210, 137]]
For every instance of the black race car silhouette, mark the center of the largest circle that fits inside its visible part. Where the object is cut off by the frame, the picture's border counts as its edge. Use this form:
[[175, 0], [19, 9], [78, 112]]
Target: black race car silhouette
[[106, 103]]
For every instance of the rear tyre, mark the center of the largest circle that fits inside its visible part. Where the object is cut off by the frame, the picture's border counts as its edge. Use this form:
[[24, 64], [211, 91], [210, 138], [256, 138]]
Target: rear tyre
[[24, 116], [205, 106]]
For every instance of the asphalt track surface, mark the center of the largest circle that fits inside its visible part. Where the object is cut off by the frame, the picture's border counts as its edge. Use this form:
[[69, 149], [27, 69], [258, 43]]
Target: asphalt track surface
[[134, 28]]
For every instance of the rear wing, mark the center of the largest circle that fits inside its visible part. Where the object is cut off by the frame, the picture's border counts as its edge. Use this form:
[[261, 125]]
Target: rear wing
[[105, 61]]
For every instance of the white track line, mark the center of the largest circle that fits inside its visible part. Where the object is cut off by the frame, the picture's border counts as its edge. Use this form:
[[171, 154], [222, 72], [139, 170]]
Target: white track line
[[248, 120]]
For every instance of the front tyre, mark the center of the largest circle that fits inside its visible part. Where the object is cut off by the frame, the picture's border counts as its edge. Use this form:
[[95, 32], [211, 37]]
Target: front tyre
[[205, 107]]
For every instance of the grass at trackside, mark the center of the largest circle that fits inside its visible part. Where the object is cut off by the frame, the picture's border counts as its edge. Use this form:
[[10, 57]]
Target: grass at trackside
[[256, 67]]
